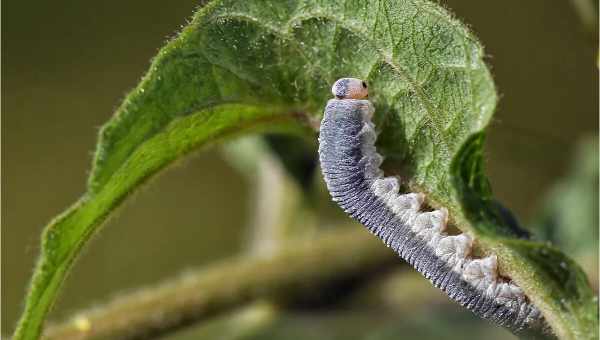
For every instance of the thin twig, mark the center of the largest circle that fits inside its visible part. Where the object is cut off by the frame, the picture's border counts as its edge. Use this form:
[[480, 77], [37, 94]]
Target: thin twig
[[296, 271], [240, 323]]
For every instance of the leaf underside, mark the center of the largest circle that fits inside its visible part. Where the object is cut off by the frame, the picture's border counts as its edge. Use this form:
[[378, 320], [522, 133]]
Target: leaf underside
[[248, 66]]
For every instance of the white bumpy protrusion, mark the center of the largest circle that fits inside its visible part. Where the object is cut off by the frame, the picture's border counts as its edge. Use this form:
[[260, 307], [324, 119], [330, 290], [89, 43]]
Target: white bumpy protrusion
[[455, 250], [386, 188], [430, 225], [482, 274], [509, 294]]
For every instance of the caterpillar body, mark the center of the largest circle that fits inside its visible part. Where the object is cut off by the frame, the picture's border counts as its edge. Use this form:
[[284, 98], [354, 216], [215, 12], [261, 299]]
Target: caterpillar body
[[350, 166]]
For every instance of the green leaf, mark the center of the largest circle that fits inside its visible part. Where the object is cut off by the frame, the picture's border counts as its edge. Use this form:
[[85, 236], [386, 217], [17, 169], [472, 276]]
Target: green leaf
[[554, 282], [243, 66]]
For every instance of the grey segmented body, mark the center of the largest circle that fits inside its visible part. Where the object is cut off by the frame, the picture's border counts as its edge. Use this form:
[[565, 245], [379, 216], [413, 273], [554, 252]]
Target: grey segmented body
[[350, 166]]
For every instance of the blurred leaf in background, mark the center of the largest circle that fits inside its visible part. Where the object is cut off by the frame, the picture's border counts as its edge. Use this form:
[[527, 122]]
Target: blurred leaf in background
[[588, 14], [569, 213]]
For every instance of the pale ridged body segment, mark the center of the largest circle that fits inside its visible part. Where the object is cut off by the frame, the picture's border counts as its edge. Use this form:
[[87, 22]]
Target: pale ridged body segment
[[350, 166]]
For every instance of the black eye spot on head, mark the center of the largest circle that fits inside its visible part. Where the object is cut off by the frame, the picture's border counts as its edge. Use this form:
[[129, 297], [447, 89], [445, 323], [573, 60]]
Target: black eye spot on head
[[364, 85]]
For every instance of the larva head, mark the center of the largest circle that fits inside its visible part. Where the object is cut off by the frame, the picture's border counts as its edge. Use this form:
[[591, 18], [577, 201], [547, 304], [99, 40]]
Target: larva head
[[350, 88]]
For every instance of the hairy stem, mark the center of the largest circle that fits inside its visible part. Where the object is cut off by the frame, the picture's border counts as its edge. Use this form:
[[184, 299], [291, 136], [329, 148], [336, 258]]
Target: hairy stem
[[337, 255]]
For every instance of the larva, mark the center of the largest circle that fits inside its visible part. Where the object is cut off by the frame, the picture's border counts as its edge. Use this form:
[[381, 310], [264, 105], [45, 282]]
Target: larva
[[350, 165]]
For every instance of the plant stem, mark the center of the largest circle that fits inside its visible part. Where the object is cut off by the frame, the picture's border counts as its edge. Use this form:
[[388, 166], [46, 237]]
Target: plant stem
[[293, 272], [240, 323]]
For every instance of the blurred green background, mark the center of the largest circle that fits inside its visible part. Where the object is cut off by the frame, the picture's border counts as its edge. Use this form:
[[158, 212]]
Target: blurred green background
[[67, 64]]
